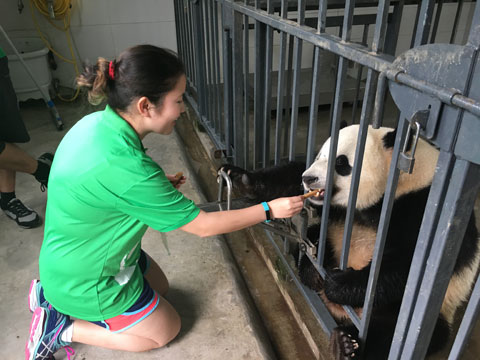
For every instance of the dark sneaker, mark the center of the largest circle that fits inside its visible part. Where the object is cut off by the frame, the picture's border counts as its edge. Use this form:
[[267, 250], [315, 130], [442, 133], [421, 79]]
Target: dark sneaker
[[46, 330], [35, 296], [47, 159], [24, 216]]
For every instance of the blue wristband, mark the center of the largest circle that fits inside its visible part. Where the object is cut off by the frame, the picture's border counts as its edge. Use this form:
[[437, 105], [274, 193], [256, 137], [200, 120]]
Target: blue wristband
[[267, 211]]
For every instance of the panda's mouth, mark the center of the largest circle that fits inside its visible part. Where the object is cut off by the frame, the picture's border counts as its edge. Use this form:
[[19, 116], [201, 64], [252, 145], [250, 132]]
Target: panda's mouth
[[315, 194]]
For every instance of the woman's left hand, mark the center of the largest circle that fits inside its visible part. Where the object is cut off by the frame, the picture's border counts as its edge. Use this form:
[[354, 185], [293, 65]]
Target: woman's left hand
[[176, 180]]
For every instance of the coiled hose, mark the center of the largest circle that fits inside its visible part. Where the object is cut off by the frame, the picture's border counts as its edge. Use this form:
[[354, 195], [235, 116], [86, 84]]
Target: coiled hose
[[61, 11]]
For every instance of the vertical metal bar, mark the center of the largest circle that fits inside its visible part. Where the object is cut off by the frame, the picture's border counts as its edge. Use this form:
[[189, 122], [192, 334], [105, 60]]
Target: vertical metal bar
[[415, 26], [314, 98], [227, 78], [281, 88], [177, 28], [216, 68], [384, 222], [297, 65], [468, 24], [191, 46], [430, 220], [322, 16], [184, 34], [474, 36], [211, 64], [268, 90], [357, 165], [468, 323], [312, 122], [288, 108], [200, 59], [208, 69], [424, 22], [246, 89], [381, 23], [455, 22], [237, 77], [457, 208], [359, 76], [436, 21], [335, 127], [337, 59], [259, 90], [394, 28], [218, 92]]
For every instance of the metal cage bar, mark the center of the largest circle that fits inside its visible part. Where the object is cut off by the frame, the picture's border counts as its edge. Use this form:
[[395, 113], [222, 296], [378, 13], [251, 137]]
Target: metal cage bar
[[227, 121]]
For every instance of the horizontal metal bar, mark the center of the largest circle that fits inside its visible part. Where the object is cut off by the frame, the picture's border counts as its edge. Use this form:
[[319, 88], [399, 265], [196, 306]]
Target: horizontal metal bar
[[348, 50], [446, 95]]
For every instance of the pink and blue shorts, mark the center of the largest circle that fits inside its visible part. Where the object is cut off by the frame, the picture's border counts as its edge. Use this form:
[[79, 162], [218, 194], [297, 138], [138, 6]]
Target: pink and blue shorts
[[146, 303]]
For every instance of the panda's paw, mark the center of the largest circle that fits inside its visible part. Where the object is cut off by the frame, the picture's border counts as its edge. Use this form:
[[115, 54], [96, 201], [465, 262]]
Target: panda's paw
[[343, 344]]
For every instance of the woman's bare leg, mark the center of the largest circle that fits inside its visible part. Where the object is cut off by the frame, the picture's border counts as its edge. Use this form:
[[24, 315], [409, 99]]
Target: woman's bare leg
[[15, 159], [156, 278], [155, 331]]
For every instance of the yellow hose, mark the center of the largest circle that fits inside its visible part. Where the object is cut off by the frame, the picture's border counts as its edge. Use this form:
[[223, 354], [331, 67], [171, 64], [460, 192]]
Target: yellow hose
[[61, 9]]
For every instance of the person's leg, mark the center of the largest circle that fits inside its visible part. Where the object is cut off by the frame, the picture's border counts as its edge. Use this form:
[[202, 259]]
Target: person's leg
[[15, 159], [7, 181], [155, 331], [51, 330], [11, 206], [155, 277]]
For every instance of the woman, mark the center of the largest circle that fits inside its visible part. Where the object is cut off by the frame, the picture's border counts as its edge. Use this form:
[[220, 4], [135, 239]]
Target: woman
[[104, 192]]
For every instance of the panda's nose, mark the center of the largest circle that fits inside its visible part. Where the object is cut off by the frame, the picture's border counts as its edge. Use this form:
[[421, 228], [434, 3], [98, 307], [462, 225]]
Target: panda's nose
[[307, 180]]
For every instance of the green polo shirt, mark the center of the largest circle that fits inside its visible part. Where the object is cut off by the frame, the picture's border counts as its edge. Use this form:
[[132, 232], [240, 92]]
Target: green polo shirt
[[103, 193], [2, 54]]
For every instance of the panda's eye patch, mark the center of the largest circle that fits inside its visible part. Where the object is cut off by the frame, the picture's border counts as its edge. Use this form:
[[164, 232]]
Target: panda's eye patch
[[342, 167]]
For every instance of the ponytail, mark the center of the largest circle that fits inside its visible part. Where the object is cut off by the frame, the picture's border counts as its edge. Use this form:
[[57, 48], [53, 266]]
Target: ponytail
[[142, 70]]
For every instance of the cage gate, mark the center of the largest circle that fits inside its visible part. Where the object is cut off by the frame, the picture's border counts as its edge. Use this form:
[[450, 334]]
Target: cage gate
[[271, 80]]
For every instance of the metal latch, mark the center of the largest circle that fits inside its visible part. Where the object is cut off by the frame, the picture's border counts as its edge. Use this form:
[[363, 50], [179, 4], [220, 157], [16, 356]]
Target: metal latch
[[223, 178], [406, 159]]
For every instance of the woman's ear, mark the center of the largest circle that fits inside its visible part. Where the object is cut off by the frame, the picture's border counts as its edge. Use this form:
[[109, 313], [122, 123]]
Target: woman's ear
[[143, 105]]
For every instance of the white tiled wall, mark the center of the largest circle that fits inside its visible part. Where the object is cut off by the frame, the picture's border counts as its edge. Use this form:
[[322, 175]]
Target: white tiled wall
[[98, 27], [106, 27]]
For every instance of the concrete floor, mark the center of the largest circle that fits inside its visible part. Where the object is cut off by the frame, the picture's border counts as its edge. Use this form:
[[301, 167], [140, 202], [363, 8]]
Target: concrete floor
[[218, 318]]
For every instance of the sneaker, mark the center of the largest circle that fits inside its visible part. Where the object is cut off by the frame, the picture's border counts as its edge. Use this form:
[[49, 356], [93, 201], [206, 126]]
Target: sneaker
[[24, 216], [35, 296], [47, 159], [45, 334]]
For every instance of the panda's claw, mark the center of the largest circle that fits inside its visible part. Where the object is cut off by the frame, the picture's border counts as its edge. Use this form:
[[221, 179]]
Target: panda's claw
[[343, 344]]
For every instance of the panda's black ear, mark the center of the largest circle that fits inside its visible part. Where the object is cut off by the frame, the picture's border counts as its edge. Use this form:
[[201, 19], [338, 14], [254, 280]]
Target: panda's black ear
[[343, 124], [389, 139]]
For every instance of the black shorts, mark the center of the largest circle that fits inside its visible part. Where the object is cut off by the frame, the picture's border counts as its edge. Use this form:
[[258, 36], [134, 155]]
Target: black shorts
[[12, 128]]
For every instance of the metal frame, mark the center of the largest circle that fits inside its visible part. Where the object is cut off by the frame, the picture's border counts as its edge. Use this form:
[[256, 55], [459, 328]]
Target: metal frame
[[235, 106]]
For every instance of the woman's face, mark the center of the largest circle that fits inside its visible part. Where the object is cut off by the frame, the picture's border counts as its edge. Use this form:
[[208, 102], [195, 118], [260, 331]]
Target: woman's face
[[164, 116]]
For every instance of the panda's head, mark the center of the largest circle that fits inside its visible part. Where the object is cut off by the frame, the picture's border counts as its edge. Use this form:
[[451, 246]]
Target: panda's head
[[375, 168]]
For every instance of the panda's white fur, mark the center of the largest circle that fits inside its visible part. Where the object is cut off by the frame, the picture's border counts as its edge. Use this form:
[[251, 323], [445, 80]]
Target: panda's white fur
[[376, 165], [348, 286], [373, 179]]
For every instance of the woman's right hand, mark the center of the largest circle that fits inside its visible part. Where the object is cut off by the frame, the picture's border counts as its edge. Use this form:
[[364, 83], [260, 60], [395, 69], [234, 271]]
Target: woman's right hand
[[285, 207]]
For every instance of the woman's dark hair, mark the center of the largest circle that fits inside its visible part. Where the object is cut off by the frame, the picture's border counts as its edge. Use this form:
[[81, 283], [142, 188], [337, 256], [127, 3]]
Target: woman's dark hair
[[142, 70]]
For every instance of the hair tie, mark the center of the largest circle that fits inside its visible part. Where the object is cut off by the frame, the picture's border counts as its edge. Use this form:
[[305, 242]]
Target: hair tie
[[111, 70]]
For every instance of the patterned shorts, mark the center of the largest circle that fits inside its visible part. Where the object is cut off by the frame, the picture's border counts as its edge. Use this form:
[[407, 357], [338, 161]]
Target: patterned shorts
[[146, 303]]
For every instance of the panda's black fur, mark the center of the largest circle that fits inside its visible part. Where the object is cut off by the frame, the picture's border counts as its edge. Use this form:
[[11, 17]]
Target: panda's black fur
[[349, 287]]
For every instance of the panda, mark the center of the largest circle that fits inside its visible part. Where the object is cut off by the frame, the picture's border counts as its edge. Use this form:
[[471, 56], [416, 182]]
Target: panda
[[348, 287]]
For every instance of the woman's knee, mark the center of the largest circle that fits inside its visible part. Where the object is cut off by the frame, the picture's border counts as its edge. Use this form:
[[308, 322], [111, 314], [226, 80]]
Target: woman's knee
[[165, 336]]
